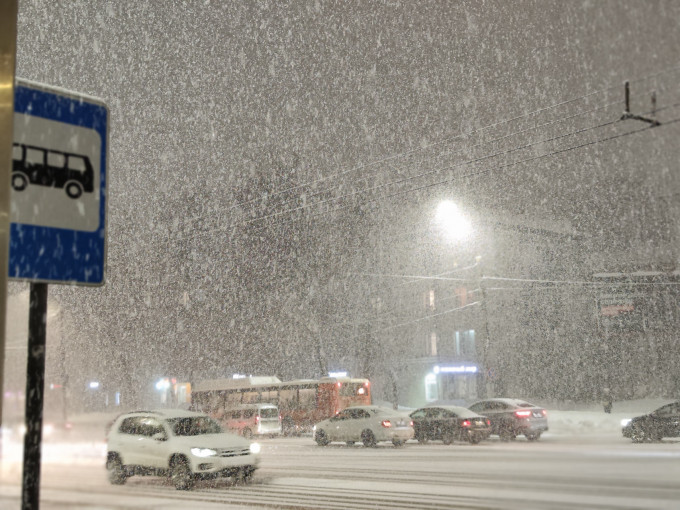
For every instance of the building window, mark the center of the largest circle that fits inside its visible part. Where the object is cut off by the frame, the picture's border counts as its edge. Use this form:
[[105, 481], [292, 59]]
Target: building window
[[431, 393], [465, 344], [432, 344], [430, 299]]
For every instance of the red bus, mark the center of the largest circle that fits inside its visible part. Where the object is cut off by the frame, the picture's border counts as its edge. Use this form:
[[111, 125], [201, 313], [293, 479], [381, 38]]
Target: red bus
[[302, 403]]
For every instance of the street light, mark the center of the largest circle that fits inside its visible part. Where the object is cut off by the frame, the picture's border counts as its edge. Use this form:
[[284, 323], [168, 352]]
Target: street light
[[453, 223]]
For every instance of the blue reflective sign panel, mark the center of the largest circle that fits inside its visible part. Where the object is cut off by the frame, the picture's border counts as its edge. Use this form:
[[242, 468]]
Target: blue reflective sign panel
[[58, 195]]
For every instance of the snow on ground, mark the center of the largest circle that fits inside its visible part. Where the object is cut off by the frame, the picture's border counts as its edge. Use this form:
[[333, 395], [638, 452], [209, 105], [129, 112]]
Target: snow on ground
[[85, 443]]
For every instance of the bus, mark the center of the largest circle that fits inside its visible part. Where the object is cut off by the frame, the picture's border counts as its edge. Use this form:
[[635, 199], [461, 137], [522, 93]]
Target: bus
[[302, 403]]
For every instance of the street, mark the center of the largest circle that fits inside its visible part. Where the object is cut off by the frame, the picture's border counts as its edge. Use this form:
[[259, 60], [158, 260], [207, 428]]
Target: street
[[587, 471]]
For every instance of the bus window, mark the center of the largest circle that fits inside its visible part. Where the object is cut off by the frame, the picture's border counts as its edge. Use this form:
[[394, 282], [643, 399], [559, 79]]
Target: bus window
[[56, 160], [76, 163], [351, 389], [307, 398], [35, 156]]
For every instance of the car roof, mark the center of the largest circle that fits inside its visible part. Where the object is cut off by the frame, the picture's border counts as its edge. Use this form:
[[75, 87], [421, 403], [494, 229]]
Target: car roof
[[251, 406], [510, 401], [377, 409], [455, 409], [165, 413]]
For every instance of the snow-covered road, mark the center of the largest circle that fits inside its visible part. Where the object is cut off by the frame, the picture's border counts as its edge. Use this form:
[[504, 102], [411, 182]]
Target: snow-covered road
[[583, 462]]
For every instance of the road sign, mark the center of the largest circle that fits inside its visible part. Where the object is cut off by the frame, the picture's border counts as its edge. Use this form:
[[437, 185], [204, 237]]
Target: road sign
[[58, 195]]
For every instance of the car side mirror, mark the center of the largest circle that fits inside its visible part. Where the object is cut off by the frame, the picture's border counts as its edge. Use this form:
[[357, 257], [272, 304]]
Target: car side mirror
[[159, 436]]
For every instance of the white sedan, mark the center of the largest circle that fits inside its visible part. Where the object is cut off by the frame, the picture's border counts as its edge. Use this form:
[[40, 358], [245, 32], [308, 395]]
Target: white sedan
[[368, 424]]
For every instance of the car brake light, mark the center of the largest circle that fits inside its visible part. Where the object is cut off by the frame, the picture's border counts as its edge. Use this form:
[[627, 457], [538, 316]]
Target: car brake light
[[386, 423], [257, 419], [522, 414], [544, 412], [488, 421], [465, 423]]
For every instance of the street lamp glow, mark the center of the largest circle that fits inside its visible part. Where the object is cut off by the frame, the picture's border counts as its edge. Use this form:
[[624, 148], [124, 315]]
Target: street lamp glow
[[453, 223]]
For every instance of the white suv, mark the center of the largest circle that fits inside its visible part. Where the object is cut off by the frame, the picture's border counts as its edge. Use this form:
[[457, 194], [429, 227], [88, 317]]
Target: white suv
[[182, 444]]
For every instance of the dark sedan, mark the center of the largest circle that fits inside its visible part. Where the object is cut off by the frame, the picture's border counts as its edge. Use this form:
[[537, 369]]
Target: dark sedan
[[664, 422], [512, 417], [448, 424]]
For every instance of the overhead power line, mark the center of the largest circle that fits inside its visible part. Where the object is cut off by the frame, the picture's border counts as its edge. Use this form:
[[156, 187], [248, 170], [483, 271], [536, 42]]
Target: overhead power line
[[450, 139]]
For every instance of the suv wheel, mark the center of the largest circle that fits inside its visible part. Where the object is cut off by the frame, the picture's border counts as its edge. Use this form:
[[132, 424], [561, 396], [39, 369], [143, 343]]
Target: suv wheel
[[181, 475], [116, 472]]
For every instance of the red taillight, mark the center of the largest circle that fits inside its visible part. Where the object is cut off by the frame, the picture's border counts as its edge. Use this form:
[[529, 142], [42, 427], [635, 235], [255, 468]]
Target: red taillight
[[257, 419], [522, 414], [386, 423], [488, 421], [339, 384], [544, 412], [411, 423], [465, 423]]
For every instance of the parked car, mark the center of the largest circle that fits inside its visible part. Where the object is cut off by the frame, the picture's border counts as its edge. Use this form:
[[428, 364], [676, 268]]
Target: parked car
[[368, 424], [512, 417], [180, 444], [253, 419], [664, 422], [448, 424]]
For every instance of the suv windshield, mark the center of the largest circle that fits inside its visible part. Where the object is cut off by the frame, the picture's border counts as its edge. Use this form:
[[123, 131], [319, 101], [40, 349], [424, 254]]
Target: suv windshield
[[194, 426]]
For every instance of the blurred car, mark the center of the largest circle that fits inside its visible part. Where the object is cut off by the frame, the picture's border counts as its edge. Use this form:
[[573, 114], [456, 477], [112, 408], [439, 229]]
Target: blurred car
[[448, 424], [664, 422], [180, 444], [368, 424], [512, 417]]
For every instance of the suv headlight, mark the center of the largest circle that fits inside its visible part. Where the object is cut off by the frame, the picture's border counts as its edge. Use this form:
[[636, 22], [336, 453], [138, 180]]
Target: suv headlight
[[625, 422], [255, 447], [203, 452]]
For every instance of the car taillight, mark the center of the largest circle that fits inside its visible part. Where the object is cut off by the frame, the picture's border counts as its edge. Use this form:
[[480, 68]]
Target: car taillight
[[544, 412], [488, 421], [411, 423], [386, 423], [465, 423], [522, 414], [257, 419]]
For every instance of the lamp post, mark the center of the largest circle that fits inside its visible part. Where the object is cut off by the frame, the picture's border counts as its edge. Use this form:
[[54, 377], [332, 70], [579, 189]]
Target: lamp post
[[456, 228]]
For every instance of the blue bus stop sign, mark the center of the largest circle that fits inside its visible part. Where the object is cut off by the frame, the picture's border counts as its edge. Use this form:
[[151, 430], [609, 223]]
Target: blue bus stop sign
[[58, 195]]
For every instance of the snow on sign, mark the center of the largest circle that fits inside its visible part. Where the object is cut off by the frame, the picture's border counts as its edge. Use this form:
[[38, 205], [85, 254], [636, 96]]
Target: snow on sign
[[58, 195]]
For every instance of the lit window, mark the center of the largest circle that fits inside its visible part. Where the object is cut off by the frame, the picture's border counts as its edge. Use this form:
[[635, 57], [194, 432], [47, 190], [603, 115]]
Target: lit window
[[433, 344]]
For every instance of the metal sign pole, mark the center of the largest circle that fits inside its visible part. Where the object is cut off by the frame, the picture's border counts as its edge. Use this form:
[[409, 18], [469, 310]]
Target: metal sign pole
[[8, 46], [35, 385]]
